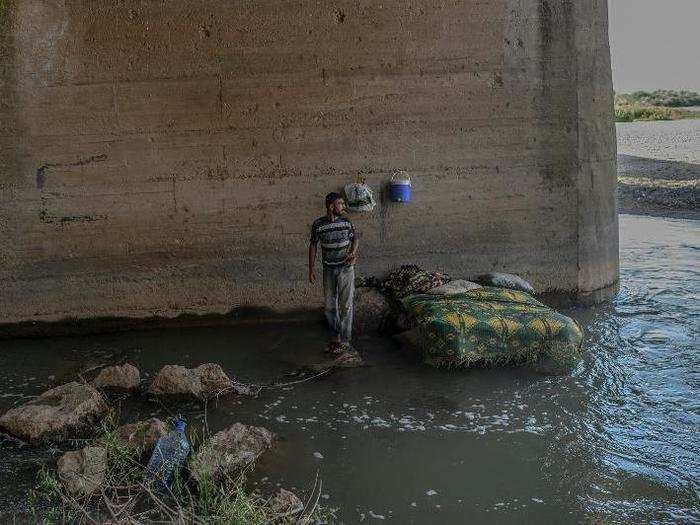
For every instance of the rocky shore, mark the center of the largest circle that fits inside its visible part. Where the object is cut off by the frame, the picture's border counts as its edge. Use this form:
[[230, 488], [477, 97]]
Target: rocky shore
[[102, 472]]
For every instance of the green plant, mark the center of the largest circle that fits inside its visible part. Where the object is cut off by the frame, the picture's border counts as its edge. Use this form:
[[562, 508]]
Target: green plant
[[631, 112], [659, 97], [126, 498]]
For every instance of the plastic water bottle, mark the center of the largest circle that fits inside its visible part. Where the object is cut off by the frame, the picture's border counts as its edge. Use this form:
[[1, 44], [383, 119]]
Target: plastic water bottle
[[169, 455]]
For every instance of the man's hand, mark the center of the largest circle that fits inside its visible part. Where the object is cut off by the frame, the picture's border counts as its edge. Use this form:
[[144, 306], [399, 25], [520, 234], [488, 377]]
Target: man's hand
[[351, 259], [312, 276]]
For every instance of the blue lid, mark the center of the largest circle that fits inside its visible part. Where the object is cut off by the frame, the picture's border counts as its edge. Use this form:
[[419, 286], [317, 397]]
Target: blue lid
[[180, 425]]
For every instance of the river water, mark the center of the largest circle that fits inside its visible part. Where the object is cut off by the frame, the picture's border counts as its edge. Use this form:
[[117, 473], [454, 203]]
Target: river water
[[616, 441]]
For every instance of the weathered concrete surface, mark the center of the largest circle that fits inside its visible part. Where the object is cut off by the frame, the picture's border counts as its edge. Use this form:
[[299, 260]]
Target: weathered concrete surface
[[159, 158]]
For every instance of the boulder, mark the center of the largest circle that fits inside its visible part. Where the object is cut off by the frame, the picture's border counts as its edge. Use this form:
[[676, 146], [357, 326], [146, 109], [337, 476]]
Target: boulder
[[371, 311], [230, 451], [287, 507], [141, 436], [65, 412], [204, 382], [82, 472], [124, 377], [213, 378], [349, 359]]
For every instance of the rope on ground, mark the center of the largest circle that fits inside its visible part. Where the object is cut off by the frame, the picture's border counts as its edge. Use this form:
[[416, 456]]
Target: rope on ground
[[281, 385]]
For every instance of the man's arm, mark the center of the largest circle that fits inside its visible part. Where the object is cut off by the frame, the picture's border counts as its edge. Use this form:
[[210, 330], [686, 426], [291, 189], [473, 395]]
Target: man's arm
[[352, 253], [312, 262]]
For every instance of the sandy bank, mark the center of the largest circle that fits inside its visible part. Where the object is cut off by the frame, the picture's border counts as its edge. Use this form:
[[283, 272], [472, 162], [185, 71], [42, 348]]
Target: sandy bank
[[659, 168]]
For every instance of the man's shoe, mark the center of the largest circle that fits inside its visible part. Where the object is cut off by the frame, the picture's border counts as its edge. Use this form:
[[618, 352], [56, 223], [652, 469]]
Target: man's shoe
[[333, 348], [344, 348]]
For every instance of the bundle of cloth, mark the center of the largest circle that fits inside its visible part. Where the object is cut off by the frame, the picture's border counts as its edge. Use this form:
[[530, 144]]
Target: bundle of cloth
[[410, 279], [456, 323]]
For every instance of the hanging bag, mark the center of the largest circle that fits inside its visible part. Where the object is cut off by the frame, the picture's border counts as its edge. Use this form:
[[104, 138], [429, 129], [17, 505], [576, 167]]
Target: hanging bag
[[359, 196]]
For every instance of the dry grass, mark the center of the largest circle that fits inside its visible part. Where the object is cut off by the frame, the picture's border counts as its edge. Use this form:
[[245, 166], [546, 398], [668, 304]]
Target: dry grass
[[125, 499]]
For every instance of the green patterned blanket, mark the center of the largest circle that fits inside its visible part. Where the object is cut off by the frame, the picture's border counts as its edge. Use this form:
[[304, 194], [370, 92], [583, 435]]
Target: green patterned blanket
[[493, 326]]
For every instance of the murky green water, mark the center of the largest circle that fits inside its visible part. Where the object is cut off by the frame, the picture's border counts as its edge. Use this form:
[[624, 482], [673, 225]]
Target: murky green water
[[615, 441]]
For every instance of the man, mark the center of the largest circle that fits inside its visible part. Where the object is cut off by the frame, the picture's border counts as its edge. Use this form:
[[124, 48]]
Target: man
[[338, 254]]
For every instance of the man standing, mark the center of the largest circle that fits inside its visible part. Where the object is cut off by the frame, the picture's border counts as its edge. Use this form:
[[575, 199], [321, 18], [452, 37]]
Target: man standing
[[338, 254]]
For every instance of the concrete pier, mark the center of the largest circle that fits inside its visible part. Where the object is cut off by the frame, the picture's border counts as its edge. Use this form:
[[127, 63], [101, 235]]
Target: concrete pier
[[159, 158]]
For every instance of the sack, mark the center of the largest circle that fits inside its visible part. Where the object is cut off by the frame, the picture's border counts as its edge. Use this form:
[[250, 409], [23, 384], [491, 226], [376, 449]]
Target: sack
[[454, 287], [409, 279], [505, 280], [359, 197]]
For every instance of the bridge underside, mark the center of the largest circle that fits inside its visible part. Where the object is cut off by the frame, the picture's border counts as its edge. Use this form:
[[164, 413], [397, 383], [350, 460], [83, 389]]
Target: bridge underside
[[166, 157]]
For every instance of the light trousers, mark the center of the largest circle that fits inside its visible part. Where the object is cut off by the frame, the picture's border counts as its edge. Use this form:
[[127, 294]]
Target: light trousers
[[338, 290]]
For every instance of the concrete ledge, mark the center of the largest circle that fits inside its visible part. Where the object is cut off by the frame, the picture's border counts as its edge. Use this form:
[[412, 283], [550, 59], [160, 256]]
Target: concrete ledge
[[102, 325]]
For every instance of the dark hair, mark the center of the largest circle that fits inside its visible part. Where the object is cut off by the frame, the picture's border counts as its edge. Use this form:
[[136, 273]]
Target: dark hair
[[332, 197]]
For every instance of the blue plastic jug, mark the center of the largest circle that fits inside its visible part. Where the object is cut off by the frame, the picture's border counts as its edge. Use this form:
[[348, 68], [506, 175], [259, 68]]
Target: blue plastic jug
[[169, 455]]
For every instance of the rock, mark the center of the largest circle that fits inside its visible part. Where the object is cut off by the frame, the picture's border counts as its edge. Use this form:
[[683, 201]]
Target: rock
[[230, 451], [125, 377], [203, 382], [213, 378], [82, 472], [371, 311], [246, 390], [65, 412], [142, 436], [349, 359], [287, 506]]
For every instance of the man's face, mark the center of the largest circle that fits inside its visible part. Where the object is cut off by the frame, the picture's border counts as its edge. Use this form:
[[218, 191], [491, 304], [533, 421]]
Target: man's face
[[337, 207]]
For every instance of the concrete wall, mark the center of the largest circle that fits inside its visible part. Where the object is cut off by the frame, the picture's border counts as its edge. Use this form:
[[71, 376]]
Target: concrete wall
[[167, 157]]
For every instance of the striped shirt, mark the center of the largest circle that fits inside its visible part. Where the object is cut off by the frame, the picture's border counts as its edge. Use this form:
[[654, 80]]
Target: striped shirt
[[335, 237]]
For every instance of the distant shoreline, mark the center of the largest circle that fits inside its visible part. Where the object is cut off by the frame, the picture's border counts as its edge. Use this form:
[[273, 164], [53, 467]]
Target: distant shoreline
[[658, 169], [656, 105], [650, 211]]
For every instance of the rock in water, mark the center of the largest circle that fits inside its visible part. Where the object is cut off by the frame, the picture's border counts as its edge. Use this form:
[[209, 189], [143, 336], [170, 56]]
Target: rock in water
[[176, 379], [347, 359], [142, 436], [82, 472], [125, 377], [213, 379], [203, 382], [65, 412], [287, 506], [230, 451], [371, 311]]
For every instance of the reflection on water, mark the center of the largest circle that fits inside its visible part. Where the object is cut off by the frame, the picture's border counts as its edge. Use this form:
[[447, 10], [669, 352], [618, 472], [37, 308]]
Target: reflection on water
[[615, 441]]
